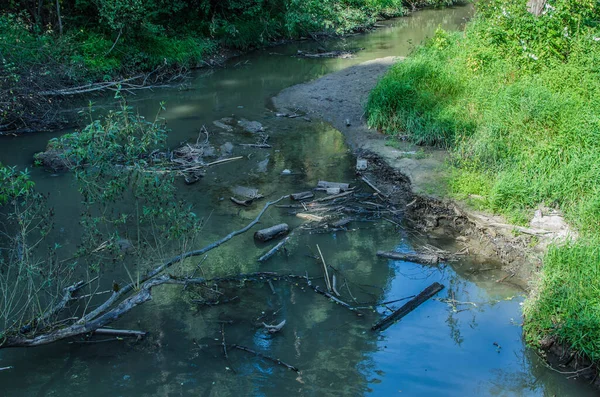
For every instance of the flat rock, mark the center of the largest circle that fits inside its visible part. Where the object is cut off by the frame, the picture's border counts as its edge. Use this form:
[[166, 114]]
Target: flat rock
[[251, 126]]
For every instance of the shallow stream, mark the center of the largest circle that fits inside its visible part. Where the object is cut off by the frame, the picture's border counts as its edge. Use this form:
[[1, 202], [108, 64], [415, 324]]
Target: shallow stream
[[469, 349]]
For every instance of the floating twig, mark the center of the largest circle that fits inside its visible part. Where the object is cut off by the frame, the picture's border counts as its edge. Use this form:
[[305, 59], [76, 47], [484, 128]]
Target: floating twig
[[275, 360]]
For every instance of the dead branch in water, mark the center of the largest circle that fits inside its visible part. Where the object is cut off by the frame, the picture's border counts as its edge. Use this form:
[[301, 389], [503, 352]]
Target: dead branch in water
[[408, 306], [257, 354], [424, 259], [114, 308], [273, 250]]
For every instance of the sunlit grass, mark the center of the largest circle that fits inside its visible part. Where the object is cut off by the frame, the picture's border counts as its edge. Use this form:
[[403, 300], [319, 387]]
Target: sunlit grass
[[523, 133]]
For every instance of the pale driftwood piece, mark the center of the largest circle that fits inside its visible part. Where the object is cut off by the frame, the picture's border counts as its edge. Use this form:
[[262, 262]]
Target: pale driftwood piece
[[425, 259], [257, 145], [273, 250], [333, 190], [302, 196], [408, 306], [275, 360], [333, 285], [6, 368], [327, 282], [372, 186], [244, 203], [332, 197], [272, 232], [309, 217], [274, 328], [223, 161], [120, 332], [327, 185]]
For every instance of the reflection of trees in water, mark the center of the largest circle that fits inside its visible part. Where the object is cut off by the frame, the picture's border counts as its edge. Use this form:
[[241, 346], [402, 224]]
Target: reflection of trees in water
[[519, 381]]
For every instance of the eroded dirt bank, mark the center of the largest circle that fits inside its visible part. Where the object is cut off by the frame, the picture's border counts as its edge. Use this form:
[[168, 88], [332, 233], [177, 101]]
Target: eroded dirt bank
[[415, 176]]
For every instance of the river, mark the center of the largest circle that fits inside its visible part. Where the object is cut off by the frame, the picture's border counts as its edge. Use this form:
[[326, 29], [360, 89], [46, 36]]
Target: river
[[473, 349]]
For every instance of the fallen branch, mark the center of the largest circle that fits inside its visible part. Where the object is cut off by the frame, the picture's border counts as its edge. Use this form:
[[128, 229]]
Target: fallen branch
[[273, 250], [335, 196], [368, 182], [223, 161], [120, 332], [223, 341], [275, 360], [257, 145], [408, 306], [107, 313], [333, 298], [244, 203], [327, 282], [425, 259], [6, 368]]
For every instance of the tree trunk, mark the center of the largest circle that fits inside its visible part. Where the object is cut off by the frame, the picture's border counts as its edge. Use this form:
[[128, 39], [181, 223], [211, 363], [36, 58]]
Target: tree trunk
[[536, 6], [60, 26]]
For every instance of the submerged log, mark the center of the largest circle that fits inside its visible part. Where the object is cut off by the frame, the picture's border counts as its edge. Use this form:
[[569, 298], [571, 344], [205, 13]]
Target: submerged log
[[302, 196], [309, 217], [328, 185], [272, 232], [424, 259], [333, 190], [120, 332], [273, 250], [257, 354], [408, 306], [342, 222]]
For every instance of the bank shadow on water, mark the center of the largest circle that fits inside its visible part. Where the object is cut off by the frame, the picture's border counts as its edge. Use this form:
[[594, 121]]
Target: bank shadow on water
[[441, 348]]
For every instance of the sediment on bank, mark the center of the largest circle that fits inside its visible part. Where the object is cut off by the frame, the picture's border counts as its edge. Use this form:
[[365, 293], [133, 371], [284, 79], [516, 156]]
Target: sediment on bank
[[516, 104]]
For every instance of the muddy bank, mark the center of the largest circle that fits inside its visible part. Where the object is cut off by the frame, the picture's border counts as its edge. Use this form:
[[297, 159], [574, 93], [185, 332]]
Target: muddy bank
[[339, 99]]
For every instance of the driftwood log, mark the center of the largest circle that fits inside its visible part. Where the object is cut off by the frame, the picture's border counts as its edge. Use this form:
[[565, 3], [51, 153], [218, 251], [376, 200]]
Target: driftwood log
[[272, 232], [302, 196], [424, 259], [273, 250], [329, 185], [408, 306]]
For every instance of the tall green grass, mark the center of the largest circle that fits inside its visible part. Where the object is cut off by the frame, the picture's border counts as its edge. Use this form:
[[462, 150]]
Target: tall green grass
[[517, 101]]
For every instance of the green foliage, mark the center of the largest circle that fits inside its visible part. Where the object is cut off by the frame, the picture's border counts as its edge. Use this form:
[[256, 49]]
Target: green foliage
[[14, 184], [515, 98], [110, 157], [567, 304]]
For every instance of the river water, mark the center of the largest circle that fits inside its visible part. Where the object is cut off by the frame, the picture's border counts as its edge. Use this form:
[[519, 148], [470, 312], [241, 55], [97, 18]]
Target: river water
[[473, 349]]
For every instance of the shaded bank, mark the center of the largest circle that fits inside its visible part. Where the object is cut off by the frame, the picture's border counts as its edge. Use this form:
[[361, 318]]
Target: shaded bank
[[55, 52]]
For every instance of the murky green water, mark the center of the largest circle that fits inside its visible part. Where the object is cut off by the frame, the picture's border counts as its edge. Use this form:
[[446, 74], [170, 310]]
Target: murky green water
[[470, 350]]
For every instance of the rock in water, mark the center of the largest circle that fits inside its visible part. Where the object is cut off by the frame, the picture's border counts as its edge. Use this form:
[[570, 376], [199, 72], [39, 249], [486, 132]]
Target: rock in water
[[262, 166], [227, 148], [247, 192], [251, 126]]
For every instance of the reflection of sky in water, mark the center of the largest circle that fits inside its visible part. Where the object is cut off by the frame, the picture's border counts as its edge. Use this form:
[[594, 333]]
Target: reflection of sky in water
[[432, 351]]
